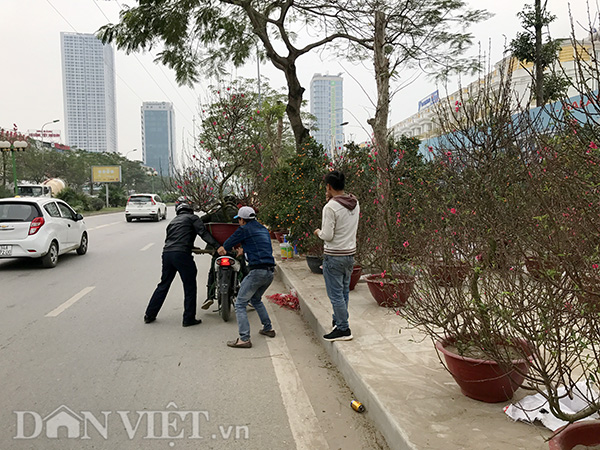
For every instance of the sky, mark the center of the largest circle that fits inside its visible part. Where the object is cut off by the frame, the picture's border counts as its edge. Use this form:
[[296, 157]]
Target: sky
[[31, 75]]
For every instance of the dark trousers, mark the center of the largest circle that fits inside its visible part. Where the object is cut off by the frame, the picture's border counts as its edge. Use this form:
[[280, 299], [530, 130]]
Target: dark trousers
[[173, 263]]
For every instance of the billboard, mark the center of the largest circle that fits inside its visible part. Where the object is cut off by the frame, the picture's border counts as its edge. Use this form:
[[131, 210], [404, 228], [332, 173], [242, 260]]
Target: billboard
[[432, 98], [49, 135], [106, 174]]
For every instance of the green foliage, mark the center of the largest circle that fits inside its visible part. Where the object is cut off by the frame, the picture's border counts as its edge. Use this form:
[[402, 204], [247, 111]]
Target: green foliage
[[293, 195], [79, 201]]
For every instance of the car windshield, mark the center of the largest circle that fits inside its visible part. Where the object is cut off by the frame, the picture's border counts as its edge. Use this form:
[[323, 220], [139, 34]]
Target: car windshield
[[33, 191], [17, 212], [140, 199]]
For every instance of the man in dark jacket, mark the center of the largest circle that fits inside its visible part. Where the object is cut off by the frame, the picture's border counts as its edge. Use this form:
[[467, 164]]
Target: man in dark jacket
[[256, 243], [177, 257]]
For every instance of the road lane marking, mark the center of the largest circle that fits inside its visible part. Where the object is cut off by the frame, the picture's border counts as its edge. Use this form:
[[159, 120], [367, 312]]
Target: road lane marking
[[147, 247], [103, 226], [70, 302], [301, 415]]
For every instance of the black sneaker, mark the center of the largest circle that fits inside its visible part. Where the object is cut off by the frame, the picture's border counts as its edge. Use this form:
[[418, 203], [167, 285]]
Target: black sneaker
[[149, 319], [339, 335], [193, 322]]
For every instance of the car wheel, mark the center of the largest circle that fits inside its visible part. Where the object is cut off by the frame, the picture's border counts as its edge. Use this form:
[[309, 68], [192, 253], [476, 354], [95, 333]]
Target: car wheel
[[156, 218], [83, 247], [128, 219], [165, 214], [50, 259]]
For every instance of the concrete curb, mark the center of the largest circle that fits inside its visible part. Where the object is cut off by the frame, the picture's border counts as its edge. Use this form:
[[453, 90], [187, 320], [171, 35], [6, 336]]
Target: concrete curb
[[407, 393], [390, 428]]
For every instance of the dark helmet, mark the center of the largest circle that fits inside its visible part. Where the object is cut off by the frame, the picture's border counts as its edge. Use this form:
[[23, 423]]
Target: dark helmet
[[184, 207]]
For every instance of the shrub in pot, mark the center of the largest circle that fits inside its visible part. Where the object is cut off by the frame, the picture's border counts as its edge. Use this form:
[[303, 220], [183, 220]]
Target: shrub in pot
[[500, 178]]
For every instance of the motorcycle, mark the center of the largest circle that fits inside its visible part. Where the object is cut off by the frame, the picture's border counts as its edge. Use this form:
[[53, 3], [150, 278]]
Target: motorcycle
[[228, 270]]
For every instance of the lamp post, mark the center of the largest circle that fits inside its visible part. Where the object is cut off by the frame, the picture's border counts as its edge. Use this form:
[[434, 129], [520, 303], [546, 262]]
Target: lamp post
[[42, 130], [16, 146], [130, 151], [152, 173], [333, 146]]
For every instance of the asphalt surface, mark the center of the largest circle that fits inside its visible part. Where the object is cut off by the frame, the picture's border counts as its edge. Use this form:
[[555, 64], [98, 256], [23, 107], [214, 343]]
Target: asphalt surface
[[78, 362]]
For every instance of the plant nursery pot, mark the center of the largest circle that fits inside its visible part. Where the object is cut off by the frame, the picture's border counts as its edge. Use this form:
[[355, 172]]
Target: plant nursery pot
[[537, 268], [585, 433], [391, 290], [356, 273], [449, 275], [315, 264], [483, 380]]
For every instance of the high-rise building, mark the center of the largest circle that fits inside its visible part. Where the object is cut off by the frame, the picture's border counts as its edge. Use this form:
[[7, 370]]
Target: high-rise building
[[89, 93], [327, 105], [158, 136]]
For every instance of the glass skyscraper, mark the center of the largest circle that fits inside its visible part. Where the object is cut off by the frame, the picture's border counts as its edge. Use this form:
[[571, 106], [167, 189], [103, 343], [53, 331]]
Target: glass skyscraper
[[158, 136], [327, 105], [89, 92]]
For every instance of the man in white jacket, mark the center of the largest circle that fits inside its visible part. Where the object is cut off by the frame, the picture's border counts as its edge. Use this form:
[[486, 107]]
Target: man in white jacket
[[338, 231]]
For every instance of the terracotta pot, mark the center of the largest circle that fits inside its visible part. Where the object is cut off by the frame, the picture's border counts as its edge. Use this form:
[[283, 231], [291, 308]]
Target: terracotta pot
[[537, 267], [449, 275], [315, 264], [279, 235], [272, 234], [483, 380], [356, 273], [585, 433], [391, 290]]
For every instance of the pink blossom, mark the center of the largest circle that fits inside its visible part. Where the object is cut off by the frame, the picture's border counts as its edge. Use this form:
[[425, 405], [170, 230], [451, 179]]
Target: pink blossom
[[594, 266], [452, 210], [593, 145], [406, 244]]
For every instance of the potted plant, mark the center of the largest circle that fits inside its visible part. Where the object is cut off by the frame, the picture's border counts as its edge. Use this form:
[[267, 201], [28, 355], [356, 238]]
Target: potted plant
[[504, 188]]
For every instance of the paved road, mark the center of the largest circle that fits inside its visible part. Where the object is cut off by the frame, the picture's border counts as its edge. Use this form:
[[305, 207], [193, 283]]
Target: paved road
[[77, 360]]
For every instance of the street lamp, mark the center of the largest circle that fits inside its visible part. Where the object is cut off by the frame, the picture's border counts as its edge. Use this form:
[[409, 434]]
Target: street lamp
[[333, 146], [152, 173], [16, 146], [130, 151], [42, 132]]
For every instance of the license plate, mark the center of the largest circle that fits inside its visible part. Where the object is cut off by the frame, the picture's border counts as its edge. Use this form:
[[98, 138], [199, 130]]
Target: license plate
[[5, 250]]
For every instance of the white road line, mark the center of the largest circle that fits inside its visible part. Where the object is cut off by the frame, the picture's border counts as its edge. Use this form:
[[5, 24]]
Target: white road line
[[70, 302], [103, 226], [301, 415], [147, 247]]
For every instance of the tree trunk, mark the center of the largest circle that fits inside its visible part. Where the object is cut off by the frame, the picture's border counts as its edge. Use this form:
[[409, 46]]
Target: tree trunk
[[294, 105], [380, 132], [539, 68]]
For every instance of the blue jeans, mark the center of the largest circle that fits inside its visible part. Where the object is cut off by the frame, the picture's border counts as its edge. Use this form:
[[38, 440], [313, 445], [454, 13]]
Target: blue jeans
[[337, 271], [251, 290]]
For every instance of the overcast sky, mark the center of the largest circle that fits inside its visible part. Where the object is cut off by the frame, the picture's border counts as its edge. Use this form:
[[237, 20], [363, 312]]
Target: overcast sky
[[31, 78]]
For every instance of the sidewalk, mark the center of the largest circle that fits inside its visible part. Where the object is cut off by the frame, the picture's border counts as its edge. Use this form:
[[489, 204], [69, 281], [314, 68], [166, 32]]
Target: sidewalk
[[406, 391]]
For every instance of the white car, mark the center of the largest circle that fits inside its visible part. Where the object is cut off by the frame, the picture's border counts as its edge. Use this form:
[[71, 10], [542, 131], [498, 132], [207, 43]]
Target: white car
[[142, 206], [40, 227]]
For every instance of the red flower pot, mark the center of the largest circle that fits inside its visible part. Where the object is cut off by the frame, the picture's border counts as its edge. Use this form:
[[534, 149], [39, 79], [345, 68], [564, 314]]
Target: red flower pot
[[586, 433], [356, 273], [483, 380], [272, 234], [391, 290], [449, 275], [279, 235]]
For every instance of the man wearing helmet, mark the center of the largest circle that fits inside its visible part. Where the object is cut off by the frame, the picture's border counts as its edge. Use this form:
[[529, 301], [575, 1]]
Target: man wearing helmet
[[177, 258]]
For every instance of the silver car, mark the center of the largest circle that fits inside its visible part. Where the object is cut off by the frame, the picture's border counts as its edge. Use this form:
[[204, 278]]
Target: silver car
[[145, 206], [40, 227]]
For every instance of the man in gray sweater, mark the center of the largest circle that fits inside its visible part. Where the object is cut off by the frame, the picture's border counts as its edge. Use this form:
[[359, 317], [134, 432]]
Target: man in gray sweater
[[338, 231]]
